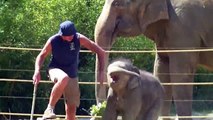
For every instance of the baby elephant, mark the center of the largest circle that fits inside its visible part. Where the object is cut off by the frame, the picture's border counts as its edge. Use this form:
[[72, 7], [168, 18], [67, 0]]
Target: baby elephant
[[133, 94]]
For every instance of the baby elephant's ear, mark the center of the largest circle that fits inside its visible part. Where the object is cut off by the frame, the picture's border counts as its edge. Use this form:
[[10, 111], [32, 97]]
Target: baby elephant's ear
[[133, 82]]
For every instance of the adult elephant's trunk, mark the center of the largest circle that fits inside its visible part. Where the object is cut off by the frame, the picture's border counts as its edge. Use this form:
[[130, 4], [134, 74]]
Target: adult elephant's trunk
[[104, 37]]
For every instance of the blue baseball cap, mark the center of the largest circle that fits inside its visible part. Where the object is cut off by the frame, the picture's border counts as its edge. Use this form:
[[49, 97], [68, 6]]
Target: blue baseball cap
[[67, 28]]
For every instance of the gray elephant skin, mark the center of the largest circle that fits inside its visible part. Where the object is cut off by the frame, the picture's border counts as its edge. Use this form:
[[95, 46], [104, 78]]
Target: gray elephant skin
[[171, 24], [134, 94]]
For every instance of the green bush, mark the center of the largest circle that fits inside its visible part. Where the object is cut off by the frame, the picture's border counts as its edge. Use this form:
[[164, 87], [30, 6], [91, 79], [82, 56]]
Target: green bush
[[98, 110]]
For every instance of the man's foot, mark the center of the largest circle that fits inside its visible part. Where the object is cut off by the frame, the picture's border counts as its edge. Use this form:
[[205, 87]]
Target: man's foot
[[49, 114]]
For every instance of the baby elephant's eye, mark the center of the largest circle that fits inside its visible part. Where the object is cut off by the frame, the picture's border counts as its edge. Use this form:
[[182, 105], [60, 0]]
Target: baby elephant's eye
[[118, 4], [115, 78]]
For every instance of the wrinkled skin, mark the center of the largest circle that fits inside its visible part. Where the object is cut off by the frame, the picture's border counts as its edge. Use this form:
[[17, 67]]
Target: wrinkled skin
[[171, 24], [134, 94]]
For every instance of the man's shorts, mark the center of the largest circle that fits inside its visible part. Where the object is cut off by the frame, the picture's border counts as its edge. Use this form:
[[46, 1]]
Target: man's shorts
[[71, 92]]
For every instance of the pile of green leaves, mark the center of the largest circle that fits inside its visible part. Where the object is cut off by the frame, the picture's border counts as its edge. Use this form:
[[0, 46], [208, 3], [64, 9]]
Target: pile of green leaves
[[98, 110]]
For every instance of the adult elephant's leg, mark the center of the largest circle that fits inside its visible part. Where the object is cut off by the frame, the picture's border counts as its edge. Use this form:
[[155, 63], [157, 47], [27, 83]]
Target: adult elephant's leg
[[182, 70], [161, 70]]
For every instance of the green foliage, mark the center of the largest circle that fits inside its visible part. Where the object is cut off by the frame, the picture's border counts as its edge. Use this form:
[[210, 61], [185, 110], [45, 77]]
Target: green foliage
[[202, 93], [98, 110], [31, 22], [141, 60]]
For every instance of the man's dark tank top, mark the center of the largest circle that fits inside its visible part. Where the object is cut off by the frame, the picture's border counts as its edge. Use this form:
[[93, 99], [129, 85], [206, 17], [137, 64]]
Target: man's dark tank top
[[65, 55]]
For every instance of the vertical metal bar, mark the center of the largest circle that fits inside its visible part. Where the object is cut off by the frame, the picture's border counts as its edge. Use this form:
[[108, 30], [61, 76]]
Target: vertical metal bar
[[33, 101]]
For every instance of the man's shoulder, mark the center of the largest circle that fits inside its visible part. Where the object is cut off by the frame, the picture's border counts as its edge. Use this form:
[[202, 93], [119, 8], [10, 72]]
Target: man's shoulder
[[54, 37], [78, 35]]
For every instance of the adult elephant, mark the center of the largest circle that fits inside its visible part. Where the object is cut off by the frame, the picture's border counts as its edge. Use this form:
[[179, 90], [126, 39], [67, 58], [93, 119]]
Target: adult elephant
[[171, 24]]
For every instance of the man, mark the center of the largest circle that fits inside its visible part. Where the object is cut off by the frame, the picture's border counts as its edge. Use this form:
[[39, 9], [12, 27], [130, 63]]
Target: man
[[63, 67]]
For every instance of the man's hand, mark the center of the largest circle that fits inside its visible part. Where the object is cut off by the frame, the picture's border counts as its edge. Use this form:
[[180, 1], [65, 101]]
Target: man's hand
[[36, 77]]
